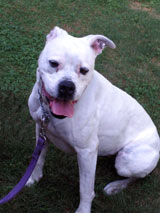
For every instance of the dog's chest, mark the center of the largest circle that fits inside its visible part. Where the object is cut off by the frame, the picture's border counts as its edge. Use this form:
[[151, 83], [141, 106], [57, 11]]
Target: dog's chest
[[62, 135], [66, 134]]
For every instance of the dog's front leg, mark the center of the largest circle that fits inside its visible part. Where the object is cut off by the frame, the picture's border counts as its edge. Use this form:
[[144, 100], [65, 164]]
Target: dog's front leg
[[87, 160]]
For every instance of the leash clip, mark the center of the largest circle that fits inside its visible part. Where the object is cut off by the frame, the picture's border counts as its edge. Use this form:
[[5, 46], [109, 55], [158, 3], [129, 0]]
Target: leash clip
[[43, 135], [44, 123]]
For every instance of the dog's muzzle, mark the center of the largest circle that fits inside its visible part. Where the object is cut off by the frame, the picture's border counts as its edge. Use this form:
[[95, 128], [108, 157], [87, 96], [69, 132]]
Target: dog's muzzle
[[63, 105]]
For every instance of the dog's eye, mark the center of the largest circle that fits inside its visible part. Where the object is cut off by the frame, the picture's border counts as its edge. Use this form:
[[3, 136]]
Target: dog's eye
[[53, 63], [84, 70]]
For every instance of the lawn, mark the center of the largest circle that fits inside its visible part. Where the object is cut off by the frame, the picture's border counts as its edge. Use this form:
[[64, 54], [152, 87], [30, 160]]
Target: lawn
[[133, 66]]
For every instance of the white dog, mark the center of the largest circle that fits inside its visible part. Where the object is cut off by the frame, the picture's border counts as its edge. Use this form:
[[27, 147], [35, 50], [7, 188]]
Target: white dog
[[89, 116]]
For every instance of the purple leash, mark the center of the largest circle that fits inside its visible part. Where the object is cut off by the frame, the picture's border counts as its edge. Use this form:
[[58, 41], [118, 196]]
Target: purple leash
[[24, 179], [40, 144]]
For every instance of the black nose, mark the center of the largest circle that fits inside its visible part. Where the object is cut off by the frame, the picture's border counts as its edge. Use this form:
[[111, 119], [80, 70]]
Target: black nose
[[66, 90]]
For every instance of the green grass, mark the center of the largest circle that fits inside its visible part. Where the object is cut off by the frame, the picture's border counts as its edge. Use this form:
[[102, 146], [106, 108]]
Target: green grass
[[134, 66]]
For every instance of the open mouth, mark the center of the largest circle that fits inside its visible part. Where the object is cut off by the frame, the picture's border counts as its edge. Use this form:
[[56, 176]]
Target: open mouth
[[59, 108], [58, 116], [62, 108]]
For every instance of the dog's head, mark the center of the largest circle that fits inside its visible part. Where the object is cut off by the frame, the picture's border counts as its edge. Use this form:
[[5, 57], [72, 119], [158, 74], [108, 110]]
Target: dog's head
[[66, 66]]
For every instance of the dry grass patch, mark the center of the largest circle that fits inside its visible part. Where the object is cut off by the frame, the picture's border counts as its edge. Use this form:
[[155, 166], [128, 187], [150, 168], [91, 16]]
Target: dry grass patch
[[144, 7], [156, 61]]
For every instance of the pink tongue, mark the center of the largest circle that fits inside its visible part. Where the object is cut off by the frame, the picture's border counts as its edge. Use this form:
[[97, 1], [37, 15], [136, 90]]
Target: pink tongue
[[62, 108]]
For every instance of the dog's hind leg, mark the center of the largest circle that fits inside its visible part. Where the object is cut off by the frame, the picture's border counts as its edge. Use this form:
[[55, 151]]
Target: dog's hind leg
[[133, 162], [37, 173]]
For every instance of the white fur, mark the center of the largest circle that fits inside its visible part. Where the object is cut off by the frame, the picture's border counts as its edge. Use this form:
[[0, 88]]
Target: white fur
[[106, 119]]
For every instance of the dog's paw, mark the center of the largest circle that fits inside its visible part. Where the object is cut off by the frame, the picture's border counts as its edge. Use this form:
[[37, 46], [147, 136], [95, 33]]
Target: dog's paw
[[116, 186], [86, 208], [30, 182], [35, 177], [82, 211]]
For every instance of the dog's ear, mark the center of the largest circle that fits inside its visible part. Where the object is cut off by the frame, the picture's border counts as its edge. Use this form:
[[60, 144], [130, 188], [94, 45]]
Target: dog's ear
[[99, 42], [57, 31]]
